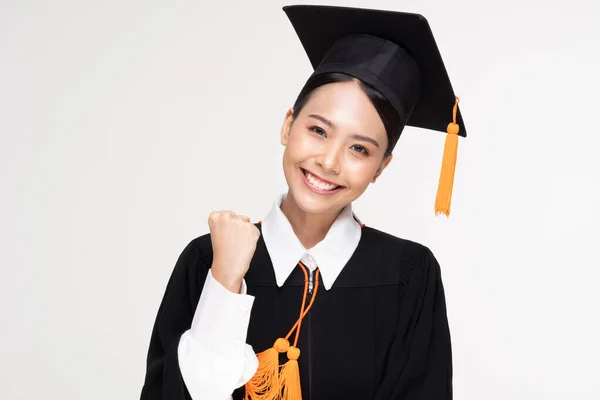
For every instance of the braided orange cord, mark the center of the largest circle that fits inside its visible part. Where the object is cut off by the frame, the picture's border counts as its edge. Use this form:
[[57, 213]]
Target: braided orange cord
[[289, 376], [304, 311]]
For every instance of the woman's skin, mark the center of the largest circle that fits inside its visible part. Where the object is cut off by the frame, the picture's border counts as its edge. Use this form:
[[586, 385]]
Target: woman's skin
[[338, 137]]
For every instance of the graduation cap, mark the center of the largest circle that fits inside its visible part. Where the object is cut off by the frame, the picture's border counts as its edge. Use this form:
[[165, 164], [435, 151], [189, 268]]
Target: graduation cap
[[395, 53]]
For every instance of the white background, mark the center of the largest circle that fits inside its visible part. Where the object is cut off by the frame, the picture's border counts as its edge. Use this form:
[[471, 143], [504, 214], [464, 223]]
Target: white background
[[124, 123]]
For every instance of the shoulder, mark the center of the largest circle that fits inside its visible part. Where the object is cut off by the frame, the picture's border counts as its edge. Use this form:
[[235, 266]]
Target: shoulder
[[200, 249], [398, 257], [389, 244], [192, 265], [196, 257]]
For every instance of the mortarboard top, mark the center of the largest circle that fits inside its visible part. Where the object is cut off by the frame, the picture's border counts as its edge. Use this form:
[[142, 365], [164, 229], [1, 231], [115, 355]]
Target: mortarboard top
[[395, 52]]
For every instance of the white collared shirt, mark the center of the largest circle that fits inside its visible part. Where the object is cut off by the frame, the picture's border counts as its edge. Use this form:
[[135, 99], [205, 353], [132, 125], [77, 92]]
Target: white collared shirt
[[213, 357], [330, 254]]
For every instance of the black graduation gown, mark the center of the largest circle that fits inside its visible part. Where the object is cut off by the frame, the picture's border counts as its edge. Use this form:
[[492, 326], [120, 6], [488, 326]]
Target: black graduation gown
[[380, 332]]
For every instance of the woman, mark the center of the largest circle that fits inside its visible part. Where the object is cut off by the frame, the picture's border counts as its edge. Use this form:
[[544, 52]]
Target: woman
[[333, 308]]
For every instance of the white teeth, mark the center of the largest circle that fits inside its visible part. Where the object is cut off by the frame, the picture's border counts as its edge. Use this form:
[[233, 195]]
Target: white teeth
[[317, 183]]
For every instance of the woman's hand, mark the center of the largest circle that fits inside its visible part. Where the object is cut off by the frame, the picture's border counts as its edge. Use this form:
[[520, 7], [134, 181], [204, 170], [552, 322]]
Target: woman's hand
[[234, 240]]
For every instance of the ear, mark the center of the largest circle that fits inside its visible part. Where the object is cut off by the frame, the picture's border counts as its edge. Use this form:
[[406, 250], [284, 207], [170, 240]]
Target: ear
[[384, 163], [286, 127]]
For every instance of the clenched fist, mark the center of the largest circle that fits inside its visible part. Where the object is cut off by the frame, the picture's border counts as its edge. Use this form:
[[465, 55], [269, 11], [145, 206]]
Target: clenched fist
[[234, 240]]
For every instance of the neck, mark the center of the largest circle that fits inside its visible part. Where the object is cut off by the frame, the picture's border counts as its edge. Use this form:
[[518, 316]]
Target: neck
[[309, 228]]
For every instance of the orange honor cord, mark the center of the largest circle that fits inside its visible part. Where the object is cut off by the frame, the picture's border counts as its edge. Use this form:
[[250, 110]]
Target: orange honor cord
[[289, 376], [444, 193], [312, 300], [270, 382]]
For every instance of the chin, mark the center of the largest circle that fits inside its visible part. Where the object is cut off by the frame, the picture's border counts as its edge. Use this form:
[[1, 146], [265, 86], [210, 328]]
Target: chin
[[310, 205]]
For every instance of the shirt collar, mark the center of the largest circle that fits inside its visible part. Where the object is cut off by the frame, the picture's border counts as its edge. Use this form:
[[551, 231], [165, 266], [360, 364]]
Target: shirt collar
[[330, 255]]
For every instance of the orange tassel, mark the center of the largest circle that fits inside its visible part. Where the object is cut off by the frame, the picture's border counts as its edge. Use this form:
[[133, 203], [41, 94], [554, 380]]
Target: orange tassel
[[270, 382], [290, 376], [443, 198], [264, 385]]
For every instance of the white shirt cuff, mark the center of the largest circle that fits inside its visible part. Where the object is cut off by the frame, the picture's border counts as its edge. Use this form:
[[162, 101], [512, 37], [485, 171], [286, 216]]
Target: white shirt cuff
[[221, 319], [214, 359]]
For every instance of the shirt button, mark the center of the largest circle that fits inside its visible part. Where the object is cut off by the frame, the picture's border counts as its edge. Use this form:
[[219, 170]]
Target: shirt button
[[245, 310]]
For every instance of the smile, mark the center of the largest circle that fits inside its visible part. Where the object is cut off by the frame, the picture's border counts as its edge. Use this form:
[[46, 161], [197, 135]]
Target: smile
[[318, 185]]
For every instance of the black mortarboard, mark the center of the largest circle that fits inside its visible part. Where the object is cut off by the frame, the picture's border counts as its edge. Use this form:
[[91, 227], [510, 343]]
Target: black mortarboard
[[396, 54]]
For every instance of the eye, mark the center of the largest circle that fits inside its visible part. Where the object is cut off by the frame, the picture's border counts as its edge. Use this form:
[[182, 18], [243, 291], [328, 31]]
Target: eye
[[317, 130], [361, 149]]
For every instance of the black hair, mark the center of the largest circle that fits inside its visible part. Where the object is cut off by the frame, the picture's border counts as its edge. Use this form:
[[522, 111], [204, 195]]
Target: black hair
[[389, 116]]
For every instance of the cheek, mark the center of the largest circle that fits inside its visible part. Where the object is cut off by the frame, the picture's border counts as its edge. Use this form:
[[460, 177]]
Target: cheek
[[293, 153], [360, 173], [299, 145]]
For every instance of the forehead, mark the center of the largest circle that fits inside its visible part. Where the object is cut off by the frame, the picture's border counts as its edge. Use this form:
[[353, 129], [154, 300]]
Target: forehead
[[347, 106]]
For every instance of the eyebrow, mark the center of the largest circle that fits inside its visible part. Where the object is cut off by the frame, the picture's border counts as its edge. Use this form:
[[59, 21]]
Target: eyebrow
[[365, 139], [355, 136], [323, 120]]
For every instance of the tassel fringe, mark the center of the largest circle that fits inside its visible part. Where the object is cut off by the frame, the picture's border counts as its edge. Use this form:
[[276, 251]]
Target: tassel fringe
[[290, 376], [265, 384]]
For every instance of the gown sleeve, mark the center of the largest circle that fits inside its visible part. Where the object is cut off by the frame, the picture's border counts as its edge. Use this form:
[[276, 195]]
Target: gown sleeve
[[419, 365], [197, 347]]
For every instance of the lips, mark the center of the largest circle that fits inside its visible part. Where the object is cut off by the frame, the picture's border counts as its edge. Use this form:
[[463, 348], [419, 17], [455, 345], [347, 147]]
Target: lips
[[318, 184]]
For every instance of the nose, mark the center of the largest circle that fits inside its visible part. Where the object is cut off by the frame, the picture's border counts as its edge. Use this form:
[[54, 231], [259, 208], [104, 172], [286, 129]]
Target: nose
[[330, 159]]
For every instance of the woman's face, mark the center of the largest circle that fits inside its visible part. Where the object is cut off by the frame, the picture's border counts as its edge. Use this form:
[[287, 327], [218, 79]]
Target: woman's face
[[334, 148]]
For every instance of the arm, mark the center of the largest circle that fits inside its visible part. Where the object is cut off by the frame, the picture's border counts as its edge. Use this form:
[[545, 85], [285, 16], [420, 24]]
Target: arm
[[197, 348], [419, 366], [213, 357]]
